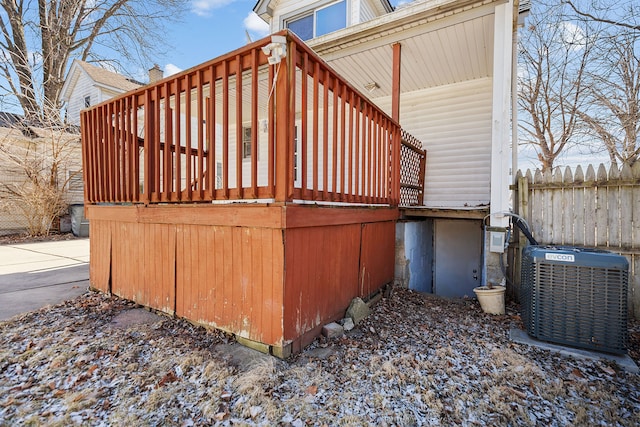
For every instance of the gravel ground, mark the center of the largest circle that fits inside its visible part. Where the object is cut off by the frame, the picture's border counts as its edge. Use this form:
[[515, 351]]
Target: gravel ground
[[416, 360], [12, 239]]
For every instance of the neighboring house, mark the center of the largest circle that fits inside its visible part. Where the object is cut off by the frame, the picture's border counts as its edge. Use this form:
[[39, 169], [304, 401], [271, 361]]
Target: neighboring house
[[87, 85], [443, 69], [31, 150]]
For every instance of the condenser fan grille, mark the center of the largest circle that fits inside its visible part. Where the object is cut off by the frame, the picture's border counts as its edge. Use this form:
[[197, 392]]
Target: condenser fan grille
[[575, 297]]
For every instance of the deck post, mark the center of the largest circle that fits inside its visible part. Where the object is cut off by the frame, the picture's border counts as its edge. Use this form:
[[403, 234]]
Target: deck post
[[283, 105], [395, 93]]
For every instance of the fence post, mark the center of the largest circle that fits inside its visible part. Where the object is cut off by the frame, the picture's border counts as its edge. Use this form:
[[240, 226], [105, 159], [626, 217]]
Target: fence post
[[521, 201]]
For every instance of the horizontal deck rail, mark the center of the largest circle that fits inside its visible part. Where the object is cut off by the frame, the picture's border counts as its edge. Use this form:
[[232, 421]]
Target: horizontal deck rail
[[244, 127]]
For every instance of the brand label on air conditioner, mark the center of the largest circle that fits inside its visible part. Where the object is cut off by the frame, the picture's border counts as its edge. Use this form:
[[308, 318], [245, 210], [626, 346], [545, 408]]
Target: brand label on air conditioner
[[560, 257]]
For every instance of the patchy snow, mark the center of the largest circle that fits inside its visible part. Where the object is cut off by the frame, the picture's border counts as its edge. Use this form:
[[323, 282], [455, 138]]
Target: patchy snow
[[415, 360]]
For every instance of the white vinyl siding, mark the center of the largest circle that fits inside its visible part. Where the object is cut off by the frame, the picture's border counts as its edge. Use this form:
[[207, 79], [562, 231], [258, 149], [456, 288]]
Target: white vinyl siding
[[367, 12], [83, 88], [454, 124]]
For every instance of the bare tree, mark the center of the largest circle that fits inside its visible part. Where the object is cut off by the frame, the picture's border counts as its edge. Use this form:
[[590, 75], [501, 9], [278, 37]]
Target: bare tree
[[624, 14], [39, 38], [612, 113], [554, 53]]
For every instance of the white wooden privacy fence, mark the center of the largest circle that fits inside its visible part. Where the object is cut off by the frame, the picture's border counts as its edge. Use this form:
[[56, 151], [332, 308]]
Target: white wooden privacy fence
[[591, 208]]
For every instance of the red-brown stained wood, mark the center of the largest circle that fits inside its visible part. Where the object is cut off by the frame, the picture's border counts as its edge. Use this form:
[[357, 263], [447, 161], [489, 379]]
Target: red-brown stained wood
[[142, 264], [183, 169], [100, 249], [234, 277], [226, 278], [322, 275], [377, 256]]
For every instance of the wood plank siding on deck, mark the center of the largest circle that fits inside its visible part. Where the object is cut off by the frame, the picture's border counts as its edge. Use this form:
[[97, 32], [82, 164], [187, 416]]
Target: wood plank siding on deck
[[164, 162]]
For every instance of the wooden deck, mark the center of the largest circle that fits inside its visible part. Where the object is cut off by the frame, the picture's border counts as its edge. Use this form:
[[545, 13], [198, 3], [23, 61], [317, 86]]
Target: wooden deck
[[267, 233]]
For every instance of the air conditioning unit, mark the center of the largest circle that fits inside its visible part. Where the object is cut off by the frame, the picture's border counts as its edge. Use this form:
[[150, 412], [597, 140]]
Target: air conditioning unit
[[575, 297]]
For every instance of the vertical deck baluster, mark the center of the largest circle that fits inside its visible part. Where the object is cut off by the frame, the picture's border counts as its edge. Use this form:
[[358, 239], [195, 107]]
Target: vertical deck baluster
[[239, 130], [304, 126], [378, 156], [383, 157], [148, 146], [350, 165], [189, 175], [369, 144], [385, 161], [86, 145], [343, 143], [119, 148], [271, 135], [126, 142], [316, 126], [334, 145], [124, 156], [157, 154], [291, 122], [171, 148], [110, 153], [357, 184], [210, 178], [136, 150], [168, 145], [178, 135], [211, 128], [200, 117], [225, 129], [95, 159], [325, 137], [93, 145], [103, 172], [254, 123]]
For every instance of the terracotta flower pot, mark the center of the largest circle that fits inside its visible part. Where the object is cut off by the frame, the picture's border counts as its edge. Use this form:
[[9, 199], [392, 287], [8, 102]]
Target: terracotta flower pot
[[491, 299]]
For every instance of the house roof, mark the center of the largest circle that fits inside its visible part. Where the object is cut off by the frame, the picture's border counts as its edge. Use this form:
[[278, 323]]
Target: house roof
[[9, 120], [109, 78], [101, 77]]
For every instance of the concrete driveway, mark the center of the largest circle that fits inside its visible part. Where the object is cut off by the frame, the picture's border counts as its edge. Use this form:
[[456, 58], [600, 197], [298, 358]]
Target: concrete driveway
[[33, 275]]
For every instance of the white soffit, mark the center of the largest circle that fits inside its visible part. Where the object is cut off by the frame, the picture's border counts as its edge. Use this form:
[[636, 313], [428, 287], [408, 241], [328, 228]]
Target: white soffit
[[452, 49]]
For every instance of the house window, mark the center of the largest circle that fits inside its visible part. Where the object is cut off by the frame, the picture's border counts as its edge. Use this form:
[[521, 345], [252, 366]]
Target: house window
[[75, 181], [87, 101], [320, 21], [218, 175], [246, 142]]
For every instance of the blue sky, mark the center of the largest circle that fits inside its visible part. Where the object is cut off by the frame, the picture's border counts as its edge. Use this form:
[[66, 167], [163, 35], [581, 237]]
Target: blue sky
[[212, 28], [209, 29]]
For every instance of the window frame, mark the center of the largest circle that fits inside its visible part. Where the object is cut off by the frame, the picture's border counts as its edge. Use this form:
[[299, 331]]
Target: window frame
[[312, 11], [247, 144], [75, 181]]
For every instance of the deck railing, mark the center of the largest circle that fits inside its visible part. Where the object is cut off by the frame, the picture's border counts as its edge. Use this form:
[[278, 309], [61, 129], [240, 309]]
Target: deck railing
[[245, 126], [412, 169]]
